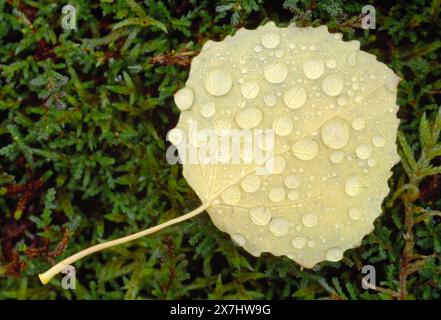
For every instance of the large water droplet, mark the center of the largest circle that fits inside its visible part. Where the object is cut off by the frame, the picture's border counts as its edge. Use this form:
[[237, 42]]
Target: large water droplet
[[276, 194], [279, 227], [276, 73], [232, 195], [260, 216], [313, 69], [298, 242], [363, 151], [283, 126], [353, 186], [208, 109], [249, 117], [218, 82], [310, 220], [250, 90], [378, 141], [305, 149], [292, 181], [334, 254], [295, 97], [238, 239], [184, 98], [335, 133], [270, 40], [332, 85], [250, 183], [354, 213]]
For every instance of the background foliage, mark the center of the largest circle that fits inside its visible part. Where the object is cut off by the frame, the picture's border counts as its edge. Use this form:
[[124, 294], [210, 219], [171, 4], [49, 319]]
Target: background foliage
[[83, 118]]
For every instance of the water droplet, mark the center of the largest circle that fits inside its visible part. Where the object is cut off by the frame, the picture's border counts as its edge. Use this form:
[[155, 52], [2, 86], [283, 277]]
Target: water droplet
[[208, 109], [276, 165], [292, 181], [363, 151], [184, 98], [378, 141], [276, 194], [258, 48], [249, 117], [336, 156], [238, 239], [372, 162], [293, 195], [334, 254], [353, 186], [270, 40], [310, 220], [232, 195], [176, 136], [358, 124], [342, 100], [331, 64], [313, 69], [295, 97], [260, 216], [250, 90], [279, 227], [332, 85], [305, 149], [351, 58], [250, 183], [354, 213], [276, 73], [283, 126], [218, 82], [270, 100], [335, 133], [298, 242]]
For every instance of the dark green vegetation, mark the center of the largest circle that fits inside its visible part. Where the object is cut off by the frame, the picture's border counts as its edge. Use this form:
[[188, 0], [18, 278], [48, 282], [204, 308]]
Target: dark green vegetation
[[83, 118]]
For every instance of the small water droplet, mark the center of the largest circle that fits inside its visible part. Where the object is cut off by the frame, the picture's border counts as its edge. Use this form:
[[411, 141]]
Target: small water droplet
[[276, 73], [270, 100], [270, 40], [260, 216], [363, 151], [335, 133], [351, 58], [292, 181], [208, 109], [358, 124], [331, 64], [332, 85], [353, 186], [372, 162], [276, 194], [184, 98], [378, 141], [249, 117], [283, 126], [238, 239], [334, 254], [305, 149], [250, 90], [250, 183], [313, 69], [232, 195], [354, 213], [298, 242], [218, 82], [310, 220], [279, 226], [293, 195], [295, 97], [336, 157]]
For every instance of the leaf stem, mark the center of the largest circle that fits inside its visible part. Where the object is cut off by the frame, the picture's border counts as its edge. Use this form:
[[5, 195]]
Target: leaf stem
[[49, 274]]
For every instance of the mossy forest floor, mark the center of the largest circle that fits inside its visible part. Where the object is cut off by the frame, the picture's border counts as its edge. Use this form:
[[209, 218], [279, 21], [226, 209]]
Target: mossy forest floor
[[83, 119]]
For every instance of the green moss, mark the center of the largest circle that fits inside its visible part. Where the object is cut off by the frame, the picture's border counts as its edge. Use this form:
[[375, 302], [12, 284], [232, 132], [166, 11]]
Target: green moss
[[83, 118]]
